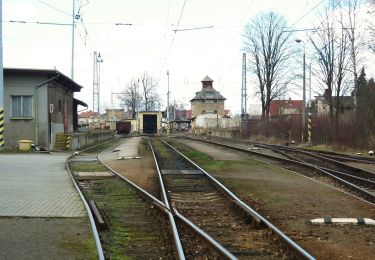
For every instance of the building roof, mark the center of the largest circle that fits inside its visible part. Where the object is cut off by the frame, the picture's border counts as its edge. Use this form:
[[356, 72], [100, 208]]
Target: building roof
[[79, 102], [344, 100], [61, 78], [207, 78], [207, 92], [277, 105], [88, 114]]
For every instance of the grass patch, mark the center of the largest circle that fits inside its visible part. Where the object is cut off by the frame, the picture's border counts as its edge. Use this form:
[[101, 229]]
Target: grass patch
[[88, 167], [130, 219], [81, 247], [97, 148]]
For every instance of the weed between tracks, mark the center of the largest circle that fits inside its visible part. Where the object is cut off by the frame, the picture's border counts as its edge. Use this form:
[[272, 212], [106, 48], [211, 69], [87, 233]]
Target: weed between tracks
[[134, 225], [135, 228], [88, 167]]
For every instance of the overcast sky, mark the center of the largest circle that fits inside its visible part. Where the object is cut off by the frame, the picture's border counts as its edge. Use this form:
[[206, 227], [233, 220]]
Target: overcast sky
[[149, 44]]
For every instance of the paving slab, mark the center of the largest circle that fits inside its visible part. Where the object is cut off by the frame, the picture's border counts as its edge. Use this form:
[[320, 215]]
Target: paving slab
[[93, 175], [37, 185], [128, 149], [46, 238]]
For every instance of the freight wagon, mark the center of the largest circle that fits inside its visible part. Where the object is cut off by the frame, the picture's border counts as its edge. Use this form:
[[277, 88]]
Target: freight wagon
[[123, 127]]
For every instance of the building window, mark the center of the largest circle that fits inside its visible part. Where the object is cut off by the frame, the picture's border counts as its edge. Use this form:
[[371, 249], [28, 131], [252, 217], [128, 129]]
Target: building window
[[59, 106], [21, 106]]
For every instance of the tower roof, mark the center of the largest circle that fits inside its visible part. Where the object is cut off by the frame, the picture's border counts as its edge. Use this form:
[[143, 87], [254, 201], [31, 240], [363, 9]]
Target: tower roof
[[207, 79]]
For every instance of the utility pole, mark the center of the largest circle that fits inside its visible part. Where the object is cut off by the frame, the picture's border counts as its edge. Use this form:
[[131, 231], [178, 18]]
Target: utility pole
[[168, 99], [244, 89], [96, 83], [73, 27], [1, 79], [304, 94], [303, 90]]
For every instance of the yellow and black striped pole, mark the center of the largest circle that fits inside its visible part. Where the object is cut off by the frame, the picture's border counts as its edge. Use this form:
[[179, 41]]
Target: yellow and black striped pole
[[309, 129], [1, 128]]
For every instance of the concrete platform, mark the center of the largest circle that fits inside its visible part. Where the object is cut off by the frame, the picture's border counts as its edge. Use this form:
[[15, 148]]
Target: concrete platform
[[37, 185], [92, 175], [128, 149]]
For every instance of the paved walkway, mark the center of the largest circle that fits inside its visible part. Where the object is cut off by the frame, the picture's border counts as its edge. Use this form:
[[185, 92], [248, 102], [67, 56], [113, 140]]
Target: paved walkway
[[129, 148], [37, 185]]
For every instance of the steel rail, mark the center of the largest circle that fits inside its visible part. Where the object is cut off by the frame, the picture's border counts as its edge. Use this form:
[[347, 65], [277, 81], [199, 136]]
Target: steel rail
[[349, 176], [99, 248], [333, 161], [98, 145], [348, 157], [167, 210], [268, 224], [176, 236], [160, 204], [147, 194], [300, 163], [223, 251], [220, 249]]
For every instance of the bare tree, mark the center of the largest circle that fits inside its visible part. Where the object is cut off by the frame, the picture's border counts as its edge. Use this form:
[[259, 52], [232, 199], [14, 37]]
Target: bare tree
[[333, 57], [149, 84], [266, 39], [130, 97], [351, 9], [371, 26]]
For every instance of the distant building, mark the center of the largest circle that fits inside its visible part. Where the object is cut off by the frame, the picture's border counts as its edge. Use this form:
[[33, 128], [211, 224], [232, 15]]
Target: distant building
[[183, 115], [150, 122], [181, 119], [38, 104], [346, 105], [88, 117], [208, 100], [285, 107], [115, 114]]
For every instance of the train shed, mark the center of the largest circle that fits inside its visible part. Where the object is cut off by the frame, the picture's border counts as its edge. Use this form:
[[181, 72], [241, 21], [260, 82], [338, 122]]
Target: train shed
[[150, 122]]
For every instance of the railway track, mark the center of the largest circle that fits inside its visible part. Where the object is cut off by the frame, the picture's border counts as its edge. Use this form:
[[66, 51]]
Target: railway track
[[191, 219], [195, 194], [362, 179], [344, 157], [357, 181], [142, 237], [134, 227]]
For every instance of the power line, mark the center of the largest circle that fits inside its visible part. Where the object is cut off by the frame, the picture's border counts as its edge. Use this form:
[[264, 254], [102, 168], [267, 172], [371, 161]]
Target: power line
[[303, 16], [195, 28], [54, 8], [235, 35], [165, 32], [174, 36], [182, 11]]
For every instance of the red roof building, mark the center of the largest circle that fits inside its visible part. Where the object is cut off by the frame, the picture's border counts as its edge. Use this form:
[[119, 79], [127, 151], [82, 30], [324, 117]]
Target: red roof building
[[285, 107]]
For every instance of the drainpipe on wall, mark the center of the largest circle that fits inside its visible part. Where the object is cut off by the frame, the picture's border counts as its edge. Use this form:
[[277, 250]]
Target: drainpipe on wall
[[36, 105]]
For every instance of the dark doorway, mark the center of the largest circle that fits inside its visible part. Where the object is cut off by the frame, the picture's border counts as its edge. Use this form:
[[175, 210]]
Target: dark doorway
[[150, 124]]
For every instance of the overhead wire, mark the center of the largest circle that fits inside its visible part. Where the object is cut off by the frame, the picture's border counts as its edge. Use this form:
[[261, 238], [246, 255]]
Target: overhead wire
[[54, 8], [235, 35], [164, 35], [308, 12], [174, 36]]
